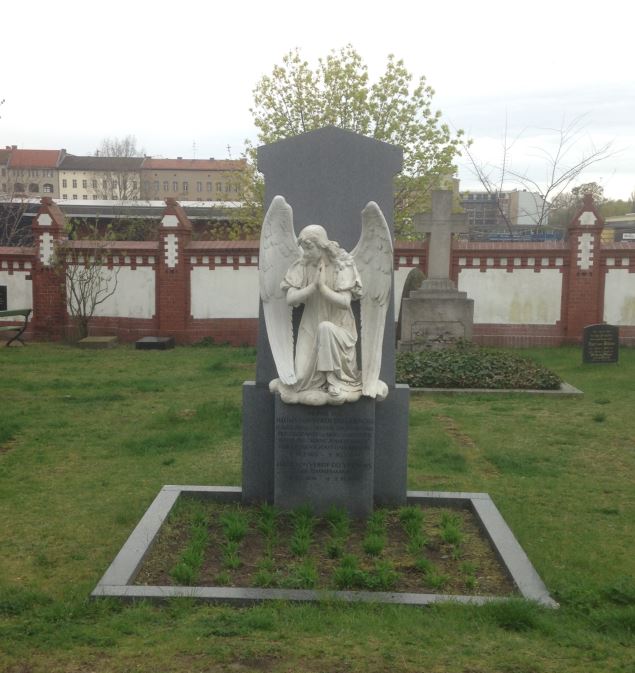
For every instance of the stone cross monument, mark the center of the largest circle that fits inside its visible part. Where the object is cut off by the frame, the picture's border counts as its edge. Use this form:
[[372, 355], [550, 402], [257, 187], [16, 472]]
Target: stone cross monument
[[440, 224], [353, 455], [437, 312]]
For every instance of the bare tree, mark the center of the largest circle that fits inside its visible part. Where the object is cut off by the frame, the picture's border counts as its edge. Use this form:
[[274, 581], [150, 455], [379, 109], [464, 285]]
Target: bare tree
[[559, 171], [14, 229], [88, 280], [119, 179]]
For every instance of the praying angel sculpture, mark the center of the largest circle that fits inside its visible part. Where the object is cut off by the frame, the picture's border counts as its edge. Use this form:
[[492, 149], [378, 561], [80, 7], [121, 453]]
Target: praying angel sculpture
[[317, 272]]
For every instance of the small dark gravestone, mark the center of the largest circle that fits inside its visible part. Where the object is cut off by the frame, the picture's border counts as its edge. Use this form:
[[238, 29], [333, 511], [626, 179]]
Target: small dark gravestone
[[3, 297], [154, 343], [600, 344]]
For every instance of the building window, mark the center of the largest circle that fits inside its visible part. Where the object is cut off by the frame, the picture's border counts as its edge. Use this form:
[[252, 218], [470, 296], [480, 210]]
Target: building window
[[134, 184], [199, 186], [74, 184], [65, 197], [48, 188], [186, 186], [85, 184], [209, 186], [85, 197], [156, 185], [4, 186], [33, 187], [219, 186], [104, 184], [75, 196], [166, 186], [94, 184], [64, 183], [175, 186], [18, 187], [228, 187]]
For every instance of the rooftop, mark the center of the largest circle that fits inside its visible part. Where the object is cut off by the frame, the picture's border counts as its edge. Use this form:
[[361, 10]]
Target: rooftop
[[35, 158], [194, 164], [91, 163]]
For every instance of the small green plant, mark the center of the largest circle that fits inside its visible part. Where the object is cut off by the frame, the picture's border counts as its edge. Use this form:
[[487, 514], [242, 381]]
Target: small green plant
[[468, 570], [348, 574], [430, 572], [302, 575], [411, 519], [223, 579], [338, 520], [268, 521], [384, 577], [303, 524], [451, 529], [375, 538], [373, 544], [339, 524], [235, 524], [334, 548], [599, 418], [187, 568], [300, 543], [231, 557], [436, 580], [263, 578]]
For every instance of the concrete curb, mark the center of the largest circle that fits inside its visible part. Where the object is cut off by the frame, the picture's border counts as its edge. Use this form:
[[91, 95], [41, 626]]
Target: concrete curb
[[565, 390], [117, 581]]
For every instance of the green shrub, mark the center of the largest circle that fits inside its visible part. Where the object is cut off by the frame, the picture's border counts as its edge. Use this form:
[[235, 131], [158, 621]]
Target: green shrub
[[465, 365]]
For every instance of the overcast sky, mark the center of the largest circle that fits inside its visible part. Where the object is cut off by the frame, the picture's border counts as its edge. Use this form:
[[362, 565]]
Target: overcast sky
[[179, 75]]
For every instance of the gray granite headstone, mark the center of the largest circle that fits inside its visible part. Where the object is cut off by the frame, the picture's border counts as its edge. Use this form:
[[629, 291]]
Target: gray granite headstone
[[324, 456], [328, 176]]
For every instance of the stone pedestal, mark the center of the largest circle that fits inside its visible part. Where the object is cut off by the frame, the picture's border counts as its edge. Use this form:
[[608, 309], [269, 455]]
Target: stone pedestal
[[434, 315], [262, 481], [324, 456]]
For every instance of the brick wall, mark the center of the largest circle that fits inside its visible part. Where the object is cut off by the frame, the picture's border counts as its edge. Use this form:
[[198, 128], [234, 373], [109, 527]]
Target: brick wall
[[525, 293]]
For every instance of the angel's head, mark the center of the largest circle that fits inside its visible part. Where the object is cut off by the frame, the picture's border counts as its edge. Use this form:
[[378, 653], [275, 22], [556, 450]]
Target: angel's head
[[313, 240], [315, 244]]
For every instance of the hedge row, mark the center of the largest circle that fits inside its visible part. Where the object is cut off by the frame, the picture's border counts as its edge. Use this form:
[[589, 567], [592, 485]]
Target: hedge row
[[465, 365]]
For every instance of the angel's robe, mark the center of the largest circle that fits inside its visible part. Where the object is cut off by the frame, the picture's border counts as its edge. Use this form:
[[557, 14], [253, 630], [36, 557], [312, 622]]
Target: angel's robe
[[325, 354]]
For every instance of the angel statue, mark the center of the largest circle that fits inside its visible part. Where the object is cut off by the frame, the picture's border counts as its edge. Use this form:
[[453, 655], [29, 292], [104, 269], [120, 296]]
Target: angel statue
[[317, 272]]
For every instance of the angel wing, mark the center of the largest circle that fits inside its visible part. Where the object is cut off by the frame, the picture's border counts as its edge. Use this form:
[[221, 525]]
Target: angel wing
[[278, 251], [373, 257]]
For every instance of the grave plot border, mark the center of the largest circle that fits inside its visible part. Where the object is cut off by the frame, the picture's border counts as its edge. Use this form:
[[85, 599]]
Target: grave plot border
[[118, 580], [565, 390]]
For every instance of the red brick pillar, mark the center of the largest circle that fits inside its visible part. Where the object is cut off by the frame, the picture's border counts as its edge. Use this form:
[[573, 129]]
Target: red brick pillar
[[583, 295], [173, 273], [49, 293]]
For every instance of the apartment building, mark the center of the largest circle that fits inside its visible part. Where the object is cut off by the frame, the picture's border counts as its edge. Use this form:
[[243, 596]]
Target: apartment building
[[494, 211], [104, 178], [192, 179], [30, 173]]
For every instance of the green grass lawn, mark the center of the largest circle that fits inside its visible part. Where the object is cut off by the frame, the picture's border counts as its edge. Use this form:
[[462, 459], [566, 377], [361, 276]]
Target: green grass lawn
[[87, 439]]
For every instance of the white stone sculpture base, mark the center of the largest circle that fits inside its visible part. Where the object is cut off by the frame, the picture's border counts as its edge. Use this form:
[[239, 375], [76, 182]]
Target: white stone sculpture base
[[320, 397]]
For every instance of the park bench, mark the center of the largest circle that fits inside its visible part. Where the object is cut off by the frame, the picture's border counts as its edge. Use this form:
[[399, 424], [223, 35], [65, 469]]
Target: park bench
[[19, 329]]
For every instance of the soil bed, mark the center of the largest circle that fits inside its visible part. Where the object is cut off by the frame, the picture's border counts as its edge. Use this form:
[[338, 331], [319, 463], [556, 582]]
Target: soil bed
[[468, 566]]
